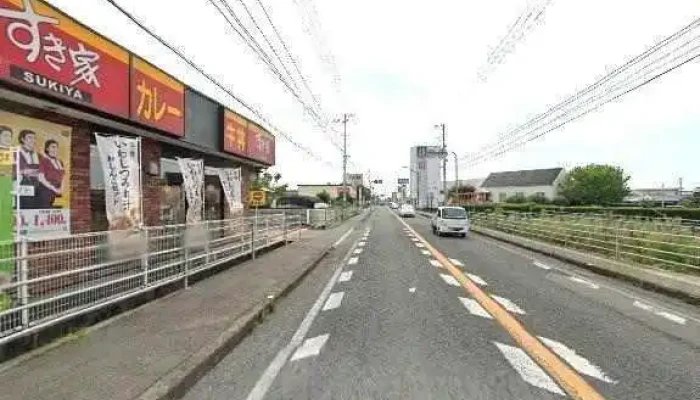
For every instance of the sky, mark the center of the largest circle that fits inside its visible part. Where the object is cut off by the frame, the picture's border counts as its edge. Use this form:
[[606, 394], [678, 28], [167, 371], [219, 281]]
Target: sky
[[404, 66]]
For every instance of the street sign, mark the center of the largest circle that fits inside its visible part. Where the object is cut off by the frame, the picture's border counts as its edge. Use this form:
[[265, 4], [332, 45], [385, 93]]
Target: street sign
[[377, 181], [403, 181], [256, 198]]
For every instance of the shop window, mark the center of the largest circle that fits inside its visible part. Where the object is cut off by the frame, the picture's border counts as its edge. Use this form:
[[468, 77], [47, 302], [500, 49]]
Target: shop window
[[97, 193]]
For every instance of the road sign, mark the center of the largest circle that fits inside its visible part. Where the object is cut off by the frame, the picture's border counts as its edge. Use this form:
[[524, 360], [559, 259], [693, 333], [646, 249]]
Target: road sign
[[377, 181], [256, 198], [403, 181]]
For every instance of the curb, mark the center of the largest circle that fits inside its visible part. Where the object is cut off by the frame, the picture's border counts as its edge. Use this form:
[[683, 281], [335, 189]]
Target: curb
[[647, 284], [176, 383]]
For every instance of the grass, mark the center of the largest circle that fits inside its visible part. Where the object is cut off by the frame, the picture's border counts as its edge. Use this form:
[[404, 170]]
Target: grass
[[672, 244]]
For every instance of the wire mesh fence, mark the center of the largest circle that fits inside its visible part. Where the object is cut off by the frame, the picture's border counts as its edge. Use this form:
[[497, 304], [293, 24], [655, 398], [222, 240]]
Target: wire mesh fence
[[56, 279], [667, 243]]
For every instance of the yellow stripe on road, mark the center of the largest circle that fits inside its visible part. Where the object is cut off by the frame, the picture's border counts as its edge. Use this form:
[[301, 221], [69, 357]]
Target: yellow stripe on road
[[562, 373]]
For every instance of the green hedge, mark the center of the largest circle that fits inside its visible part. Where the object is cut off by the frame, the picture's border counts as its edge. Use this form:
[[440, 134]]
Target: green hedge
[[685, 213]]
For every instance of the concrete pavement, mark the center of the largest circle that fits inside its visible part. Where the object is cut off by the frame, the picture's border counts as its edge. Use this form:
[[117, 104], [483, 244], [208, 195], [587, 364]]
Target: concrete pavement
[[394, 323]]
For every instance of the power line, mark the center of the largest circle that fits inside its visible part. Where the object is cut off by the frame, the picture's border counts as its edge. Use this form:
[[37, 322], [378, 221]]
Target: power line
[[189, 62]]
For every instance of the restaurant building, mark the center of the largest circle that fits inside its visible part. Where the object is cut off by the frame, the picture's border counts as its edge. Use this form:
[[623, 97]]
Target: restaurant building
[[61, 83]]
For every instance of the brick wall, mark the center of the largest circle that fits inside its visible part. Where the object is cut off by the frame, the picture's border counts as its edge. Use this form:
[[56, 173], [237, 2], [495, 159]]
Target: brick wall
[[151, 152], [81, 215]]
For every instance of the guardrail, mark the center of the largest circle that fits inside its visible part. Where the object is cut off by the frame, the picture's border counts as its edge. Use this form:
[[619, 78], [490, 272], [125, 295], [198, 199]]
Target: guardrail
[[669, 244], [58, 279]]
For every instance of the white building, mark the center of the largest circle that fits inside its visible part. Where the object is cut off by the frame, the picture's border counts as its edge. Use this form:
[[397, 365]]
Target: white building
[[541, 182], [426, 182]]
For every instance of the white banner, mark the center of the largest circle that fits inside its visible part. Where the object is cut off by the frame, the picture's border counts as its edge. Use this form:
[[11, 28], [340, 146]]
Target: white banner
[[231, 184], [193, 182], [121, 164]]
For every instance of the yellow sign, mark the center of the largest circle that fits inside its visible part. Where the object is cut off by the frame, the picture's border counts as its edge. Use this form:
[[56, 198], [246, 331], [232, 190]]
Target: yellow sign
[[256, 198]]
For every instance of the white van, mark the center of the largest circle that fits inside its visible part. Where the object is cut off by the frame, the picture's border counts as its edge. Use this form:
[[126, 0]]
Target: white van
[[450, 221]]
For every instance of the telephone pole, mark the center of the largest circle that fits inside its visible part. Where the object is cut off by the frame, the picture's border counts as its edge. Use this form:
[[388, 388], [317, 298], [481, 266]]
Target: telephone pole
[[444, 163], [344, 120]]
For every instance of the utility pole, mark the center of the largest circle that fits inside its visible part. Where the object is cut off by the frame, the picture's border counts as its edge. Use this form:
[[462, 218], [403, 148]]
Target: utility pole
[[344, 120], [444, 163], [456, 176]]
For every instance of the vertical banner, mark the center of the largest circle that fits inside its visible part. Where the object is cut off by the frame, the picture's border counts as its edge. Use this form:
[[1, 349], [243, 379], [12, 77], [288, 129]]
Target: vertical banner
[[42, 181], [193, 181], [121, 164], [231, 183]]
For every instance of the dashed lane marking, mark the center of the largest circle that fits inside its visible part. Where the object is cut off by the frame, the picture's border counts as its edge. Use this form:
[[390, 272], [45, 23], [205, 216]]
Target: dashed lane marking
[[310, 347], [449, 279], [540, 265], [477, 279], [420, 245], [475, 308], [345, 276], [584, 282], [671, 317], [528, 369], [581, 364], [361, 244], [425, 252], [508, 305], [353, 261], [333, 301], [357, 251], [435, 263], [412, 290], [643, 306], [456, 262]]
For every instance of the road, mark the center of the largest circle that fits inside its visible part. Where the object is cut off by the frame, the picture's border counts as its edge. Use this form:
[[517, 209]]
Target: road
[[398, 313]]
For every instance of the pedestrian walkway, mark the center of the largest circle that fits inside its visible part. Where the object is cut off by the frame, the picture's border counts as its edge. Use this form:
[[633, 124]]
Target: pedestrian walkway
[[150, 350]]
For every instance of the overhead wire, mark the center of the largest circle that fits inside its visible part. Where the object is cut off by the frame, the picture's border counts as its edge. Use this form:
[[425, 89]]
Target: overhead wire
[[213, 80]]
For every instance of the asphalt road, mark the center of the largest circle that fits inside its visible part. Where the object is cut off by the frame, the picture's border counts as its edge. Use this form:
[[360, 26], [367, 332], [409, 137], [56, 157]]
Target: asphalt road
[[384, 318]]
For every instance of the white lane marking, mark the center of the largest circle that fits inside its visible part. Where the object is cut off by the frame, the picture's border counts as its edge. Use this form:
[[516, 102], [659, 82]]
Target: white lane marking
[[508, 305], [449, 279], [416, 240], [584, 282], [333, 301], [345, 276], [475, 308], [311, 347], [456, 262], [609, 287], [672, 317], [353, 261], [421, 245], [643, 306], [540, 265], [412, 290], [357, 251], [263, 384], [477, 279], [361, 244], [581, 364], [342, 238], [435, 263], [425, 252], [528, 369]]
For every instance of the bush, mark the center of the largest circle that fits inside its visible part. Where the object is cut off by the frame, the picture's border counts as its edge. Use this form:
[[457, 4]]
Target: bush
[[684, 213]]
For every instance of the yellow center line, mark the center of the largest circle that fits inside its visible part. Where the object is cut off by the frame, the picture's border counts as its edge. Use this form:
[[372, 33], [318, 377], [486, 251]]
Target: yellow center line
[[562, 373]]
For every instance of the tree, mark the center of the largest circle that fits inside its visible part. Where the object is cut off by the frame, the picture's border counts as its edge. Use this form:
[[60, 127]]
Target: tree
[[270, 183], [537, 198], [517, 199], [324, 196], [694, 200], [595, 184]]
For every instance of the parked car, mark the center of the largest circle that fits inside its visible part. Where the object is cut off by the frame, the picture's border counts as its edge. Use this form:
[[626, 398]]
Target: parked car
[[393, 206], [407, 210], [450, 221]]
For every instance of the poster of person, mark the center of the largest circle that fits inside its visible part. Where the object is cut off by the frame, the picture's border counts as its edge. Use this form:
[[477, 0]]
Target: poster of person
[[43, 174], [120, 157]]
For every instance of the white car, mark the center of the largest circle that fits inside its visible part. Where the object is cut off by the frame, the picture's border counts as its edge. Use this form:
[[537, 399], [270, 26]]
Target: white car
[[393, 205], [407, 210], [450, 221]]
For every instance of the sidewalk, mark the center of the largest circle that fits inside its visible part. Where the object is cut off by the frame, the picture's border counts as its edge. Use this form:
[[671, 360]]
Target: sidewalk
[[158, 350]]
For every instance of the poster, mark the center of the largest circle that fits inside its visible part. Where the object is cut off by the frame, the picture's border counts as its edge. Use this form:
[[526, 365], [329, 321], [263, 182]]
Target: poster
[[43, 155], [121, 165], [193, 182], [231, 184]]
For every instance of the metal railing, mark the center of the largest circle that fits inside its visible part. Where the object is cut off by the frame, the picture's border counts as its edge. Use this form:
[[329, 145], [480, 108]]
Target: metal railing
[[57, 279], [668, 243]]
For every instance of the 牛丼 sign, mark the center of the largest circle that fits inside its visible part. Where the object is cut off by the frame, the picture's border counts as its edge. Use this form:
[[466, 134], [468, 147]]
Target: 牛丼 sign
[[157, 99], [43, 49], [261, 144], [235, 134]]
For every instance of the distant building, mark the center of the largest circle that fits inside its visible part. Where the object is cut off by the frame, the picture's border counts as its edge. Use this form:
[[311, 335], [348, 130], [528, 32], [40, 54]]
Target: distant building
[[542, 182], [426, 183], [657, 196], [332, 189], [475, 182]]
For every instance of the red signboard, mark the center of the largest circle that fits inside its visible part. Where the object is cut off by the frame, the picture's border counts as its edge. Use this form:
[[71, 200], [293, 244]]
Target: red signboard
[[235, 134], [157, 99], [46, 50], [261, 145]]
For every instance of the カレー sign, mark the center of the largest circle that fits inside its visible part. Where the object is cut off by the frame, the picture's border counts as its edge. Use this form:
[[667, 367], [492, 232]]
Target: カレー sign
[[261, 144], [157, 99], [235, 134], [48, 51]]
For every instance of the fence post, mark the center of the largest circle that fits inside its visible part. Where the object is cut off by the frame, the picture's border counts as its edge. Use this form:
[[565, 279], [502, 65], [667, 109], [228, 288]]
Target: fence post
[[267, 231], [145, 258], [617, 243], [187, 258], [284, 227], [23, 277], [206, 242], [252, 237]]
